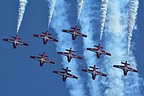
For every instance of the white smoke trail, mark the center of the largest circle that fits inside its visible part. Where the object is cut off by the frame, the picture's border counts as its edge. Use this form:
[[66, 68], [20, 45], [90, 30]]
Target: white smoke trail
[[51, 9], [116, 83], [80, 4], [133, 83], [131, 21], [60, 22], [90, 57], [21, 12], [115, 36], [104, 4]]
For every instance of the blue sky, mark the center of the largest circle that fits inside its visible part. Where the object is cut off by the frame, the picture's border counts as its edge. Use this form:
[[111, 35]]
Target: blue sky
[[138, 39], [22, 76]]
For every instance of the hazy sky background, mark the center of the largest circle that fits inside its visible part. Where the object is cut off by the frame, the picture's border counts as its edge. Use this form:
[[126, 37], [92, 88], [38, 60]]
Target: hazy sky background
[[22, 76]]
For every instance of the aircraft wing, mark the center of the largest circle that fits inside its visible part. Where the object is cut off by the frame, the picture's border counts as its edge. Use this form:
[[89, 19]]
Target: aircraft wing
[[92, 49], [119, 66], [63, 53], [133, 70], [49, 61], [106, 53], [36, 35], [35, 57], [58, 72], [80, 34], [53, 39], [76, 56], [22, 43], [72, 76], [9, 40], [39, 35], [100, 73], [68, 31], [86, 70]]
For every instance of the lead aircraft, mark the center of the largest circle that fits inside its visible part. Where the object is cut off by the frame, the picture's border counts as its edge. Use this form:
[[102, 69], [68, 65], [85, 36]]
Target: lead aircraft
[[74, 32], [98, 50], [69, 54], [65, 74], [94, 72], [125, 68], [15, 40], [42, 58], [46, 37]]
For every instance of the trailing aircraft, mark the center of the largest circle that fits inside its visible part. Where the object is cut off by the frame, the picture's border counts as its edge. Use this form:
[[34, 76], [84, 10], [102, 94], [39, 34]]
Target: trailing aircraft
[[46, 37], [98, 50], [65, 74], [69, 54], [42, 58], [125, 68], [94, 72]]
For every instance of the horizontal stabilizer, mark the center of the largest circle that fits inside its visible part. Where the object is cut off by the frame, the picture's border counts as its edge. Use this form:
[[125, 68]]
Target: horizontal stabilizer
[[46, 33], [98, 46], [66, 69], [16, 37], [44, 55], [75, 28], [93, 67], [70, 50], [125, 63]]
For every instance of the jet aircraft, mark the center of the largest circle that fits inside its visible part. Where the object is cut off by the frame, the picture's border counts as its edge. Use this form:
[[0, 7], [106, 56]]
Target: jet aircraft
[[69, 54], [74, 32], [94, 72], [15, 40], [42, 58], [65, 74], [125, 68], [98, 50], [46, 37]]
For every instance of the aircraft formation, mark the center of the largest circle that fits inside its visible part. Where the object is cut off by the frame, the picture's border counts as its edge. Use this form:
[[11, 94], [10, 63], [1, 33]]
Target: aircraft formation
[[43, 58]]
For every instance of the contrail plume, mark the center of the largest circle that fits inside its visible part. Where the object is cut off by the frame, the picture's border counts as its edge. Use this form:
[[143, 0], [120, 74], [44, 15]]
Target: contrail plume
[[104, 4], [90, 57], [116, 82], [51, 9], [115, 36], [131, 21], [133, 83], [60, 22], [80, 4], [22, 5]]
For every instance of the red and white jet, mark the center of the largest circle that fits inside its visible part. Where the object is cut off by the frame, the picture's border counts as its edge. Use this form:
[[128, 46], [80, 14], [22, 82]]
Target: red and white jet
[[65, 74], [45, 36], [125, 68], [98, 50], [16, 41], [69, 54], [42, 59], [74, 32], [94, 72]]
